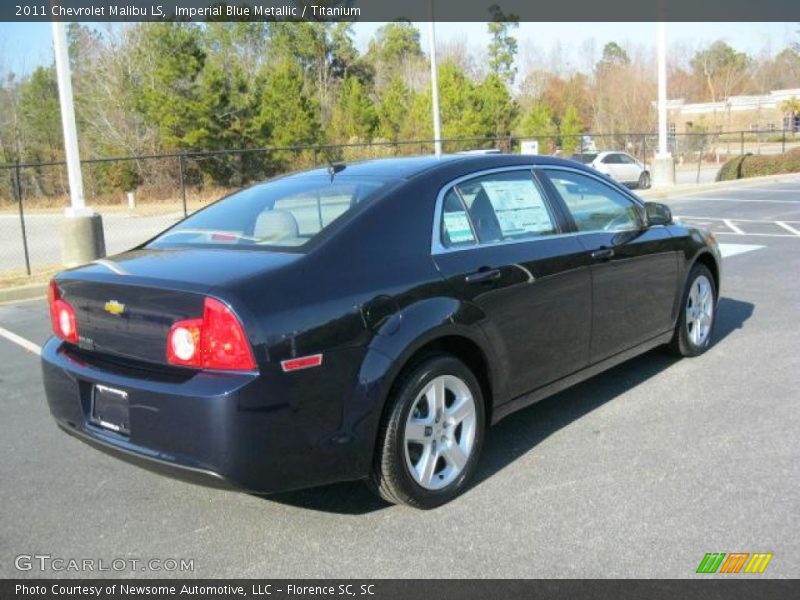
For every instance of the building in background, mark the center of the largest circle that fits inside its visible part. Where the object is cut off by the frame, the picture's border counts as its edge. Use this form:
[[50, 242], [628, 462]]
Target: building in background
[[765, 112]]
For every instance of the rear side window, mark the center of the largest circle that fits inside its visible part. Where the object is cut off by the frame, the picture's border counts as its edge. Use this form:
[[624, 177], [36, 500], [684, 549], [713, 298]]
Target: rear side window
[[285, 213], [594, 206], [500, 207], [456, 226]]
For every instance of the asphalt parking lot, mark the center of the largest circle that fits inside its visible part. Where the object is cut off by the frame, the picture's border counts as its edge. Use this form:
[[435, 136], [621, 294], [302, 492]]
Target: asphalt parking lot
[[637, 472]]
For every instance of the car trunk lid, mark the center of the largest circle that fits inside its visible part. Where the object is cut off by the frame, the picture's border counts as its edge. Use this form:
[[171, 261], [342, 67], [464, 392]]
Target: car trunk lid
[[126, 305]]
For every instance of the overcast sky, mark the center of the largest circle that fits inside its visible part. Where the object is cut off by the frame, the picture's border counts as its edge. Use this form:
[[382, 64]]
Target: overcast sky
[[23, 46]]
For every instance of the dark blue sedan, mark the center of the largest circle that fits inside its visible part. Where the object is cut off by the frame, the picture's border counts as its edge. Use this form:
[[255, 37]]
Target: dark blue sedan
[[369, 321]]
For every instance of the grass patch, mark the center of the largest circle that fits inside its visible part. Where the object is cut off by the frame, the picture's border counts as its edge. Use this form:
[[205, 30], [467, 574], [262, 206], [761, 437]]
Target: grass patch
[[18, 277]]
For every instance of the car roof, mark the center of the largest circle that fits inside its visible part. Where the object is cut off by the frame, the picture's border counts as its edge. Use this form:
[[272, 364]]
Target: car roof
[[408, 167]]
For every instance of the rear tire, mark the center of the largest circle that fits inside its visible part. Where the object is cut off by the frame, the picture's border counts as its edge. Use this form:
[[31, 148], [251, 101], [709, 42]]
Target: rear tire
[[644, 181], [431, 436], [698, 314]]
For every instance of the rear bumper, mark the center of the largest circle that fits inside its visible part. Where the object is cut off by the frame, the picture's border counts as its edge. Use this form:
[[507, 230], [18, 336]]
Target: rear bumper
[[219, 429], [135, 456]]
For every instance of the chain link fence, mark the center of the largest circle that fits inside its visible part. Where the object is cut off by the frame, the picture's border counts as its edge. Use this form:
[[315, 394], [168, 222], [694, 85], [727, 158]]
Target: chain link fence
[[139, 196]]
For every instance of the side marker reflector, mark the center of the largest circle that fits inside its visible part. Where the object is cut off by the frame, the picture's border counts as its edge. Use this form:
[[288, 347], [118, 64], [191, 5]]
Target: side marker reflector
[[304, 362]]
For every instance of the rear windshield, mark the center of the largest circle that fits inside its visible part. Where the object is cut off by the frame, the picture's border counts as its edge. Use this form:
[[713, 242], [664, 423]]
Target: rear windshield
[[285, 213], [584, 158]]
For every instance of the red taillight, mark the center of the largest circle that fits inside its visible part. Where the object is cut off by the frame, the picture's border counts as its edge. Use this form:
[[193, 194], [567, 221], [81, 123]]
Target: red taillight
[[216, 341], [62, 315]]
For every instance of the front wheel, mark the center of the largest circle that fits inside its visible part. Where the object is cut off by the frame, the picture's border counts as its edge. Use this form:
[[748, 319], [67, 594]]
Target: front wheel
[[696, 320], [644, 180], [431, 436]]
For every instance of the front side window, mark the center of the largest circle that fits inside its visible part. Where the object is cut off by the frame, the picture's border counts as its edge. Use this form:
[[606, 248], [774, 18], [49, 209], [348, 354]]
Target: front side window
[[594, 206], [284, 213], [500, 207]]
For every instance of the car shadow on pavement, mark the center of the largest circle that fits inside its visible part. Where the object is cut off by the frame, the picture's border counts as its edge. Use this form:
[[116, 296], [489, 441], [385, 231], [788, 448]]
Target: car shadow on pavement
[[517, 434]]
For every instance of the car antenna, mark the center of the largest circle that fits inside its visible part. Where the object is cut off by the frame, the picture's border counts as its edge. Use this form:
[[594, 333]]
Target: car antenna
[[333, 167]]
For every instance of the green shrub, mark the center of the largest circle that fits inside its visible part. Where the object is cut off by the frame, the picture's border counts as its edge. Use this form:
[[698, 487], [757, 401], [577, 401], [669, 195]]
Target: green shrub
[[731, 169], [751, 165]]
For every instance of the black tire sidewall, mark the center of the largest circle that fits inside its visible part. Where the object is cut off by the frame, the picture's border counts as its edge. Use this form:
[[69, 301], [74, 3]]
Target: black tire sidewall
[[429, 369]]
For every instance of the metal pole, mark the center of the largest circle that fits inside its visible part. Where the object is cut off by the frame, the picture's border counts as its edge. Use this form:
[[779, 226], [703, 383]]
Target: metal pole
[[77, 202], [662, 89], [783, 139], [18, 186], [183, 184], [741, 140], [437, 124]]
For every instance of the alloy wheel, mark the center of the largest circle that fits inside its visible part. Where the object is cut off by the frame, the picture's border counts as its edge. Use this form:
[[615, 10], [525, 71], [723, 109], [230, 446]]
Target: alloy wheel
[[440, 432], [699, 311]]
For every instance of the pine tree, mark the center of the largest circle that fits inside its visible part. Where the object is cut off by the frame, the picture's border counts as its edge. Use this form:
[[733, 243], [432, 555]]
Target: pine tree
[[570, 128], [288, 115], [539, 123], [393, 109], [503, 46], [354, 118]]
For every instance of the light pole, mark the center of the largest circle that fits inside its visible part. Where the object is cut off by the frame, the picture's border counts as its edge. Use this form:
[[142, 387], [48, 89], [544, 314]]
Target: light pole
[[663, 165], [437, 123], [82, 229]]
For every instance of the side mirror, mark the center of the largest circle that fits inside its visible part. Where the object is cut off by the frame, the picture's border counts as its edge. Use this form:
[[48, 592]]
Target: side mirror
[[657, 213]]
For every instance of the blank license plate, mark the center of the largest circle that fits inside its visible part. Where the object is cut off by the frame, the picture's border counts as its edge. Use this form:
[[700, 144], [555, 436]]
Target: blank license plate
[[110, 409]]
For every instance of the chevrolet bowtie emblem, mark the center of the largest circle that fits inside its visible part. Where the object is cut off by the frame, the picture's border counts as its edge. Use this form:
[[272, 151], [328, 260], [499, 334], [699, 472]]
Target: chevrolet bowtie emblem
[[114, 307]]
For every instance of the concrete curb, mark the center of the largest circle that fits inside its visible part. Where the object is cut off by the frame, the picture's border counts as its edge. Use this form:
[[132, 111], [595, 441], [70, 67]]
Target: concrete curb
[[666, 193], [23, 292]]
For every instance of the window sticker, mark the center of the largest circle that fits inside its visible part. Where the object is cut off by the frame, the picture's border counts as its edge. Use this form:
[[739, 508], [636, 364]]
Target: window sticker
[[457, 226], [519, 207]]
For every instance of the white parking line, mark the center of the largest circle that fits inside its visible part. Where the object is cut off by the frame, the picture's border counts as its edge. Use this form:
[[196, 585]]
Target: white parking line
[[751, 200], [737, 219], [736, 230], [770, 191], [20, 341], [780, 235], [787, 227], [732, 227], [733, 249]]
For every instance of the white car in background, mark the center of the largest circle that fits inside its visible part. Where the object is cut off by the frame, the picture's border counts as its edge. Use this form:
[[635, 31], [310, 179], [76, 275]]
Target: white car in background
[[618, 165]]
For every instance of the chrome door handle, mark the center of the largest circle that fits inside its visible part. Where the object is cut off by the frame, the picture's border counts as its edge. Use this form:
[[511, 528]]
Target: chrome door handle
[[483, 276], [603, 254]]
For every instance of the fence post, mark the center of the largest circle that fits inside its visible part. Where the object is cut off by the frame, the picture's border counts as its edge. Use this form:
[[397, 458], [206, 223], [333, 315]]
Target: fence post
[[644, 150], [741, 143], [183, 184], [18, 189], [783, 139], [700, 156]]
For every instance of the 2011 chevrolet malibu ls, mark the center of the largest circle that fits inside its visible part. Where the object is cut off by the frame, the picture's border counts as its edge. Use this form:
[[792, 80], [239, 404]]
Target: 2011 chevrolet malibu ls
[[369, 321]]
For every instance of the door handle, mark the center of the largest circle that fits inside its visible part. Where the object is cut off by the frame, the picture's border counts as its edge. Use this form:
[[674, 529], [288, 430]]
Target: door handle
[[483, 276], [603, 253]]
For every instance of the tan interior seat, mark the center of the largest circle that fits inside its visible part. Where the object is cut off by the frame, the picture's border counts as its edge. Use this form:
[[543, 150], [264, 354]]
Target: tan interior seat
[[273, 225]]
